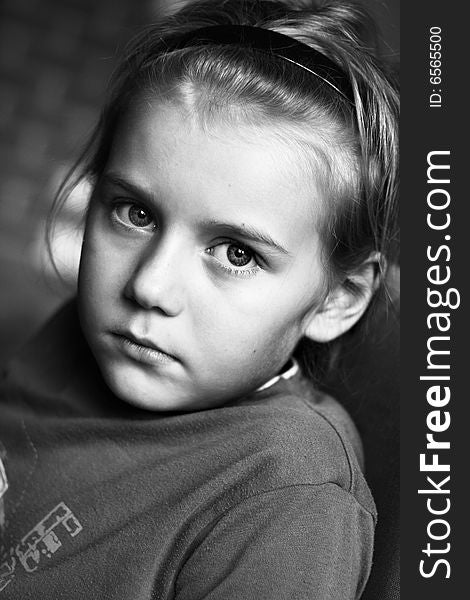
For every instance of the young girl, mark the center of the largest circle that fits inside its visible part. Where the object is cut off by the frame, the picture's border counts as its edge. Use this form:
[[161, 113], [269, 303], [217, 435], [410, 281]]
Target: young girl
[[242, 218]]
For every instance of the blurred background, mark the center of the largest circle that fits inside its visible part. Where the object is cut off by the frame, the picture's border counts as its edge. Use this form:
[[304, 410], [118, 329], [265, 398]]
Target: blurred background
[[55, 60]]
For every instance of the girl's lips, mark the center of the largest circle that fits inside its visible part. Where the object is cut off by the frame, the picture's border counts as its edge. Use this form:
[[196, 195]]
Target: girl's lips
[[141, 351]]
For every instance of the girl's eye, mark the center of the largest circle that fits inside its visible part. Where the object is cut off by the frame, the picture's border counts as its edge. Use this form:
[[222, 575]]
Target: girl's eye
[[238, 256], [235, 258], [135, 216]]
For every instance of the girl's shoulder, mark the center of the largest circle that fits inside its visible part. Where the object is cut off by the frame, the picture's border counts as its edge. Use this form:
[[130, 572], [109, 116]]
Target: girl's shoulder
[[43, 356], [54, 370], [303, 437]]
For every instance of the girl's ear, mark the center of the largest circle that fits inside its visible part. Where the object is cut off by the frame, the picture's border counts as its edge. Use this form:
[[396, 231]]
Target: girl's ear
[[344, 305]]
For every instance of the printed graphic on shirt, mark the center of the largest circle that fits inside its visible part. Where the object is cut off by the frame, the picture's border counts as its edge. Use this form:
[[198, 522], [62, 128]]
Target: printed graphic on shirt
[[40, 544]]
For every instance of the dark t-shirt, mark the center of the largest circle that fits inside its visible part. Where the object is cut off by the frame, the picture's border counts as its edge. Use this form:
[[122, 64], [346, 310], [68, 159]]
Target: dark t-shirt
[[262, 498]]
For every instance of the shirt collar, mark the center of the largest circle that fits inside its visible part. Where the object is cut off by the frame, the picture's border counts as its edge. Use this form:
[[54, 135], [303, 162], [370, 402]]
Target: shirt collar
[[290, 370]]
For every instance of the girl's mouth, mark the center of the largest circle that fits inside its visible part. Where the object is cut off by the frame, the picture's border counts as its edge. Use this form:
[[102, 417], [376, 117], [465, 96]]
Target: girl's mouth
[[142, 351]]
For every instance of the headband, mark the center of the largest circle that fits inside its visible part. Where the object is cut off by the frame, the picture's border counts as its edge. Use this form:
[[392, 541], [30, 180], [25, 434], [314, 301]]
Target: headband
[[274, 43]]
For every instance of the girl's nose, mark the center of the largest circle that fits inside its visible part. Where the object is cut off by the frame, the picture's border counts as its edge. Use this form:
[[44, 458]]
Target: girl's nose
[[157, 282]]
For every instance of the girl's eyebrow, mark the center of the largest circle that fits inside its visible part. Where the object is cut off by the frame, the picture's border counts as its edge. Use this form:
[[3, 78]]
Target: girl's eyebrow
[[244, 231], [114, 179]]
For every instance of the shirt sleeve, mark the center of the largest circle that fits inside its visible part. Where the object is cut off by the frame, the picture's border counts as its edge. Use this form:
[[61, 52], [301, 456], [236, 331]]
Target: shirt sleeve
[[294, 543]]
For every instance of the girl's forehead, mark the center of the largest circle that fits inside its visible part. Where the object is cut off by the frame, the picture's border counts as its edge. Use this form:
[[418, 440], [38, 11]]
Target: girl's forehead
[[167, 150]]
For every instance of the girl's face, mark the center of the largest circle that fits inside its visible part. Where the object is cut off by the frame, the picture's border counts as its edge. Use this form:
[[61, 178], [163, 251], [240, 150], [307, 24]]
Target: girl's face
[[201, 265]]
